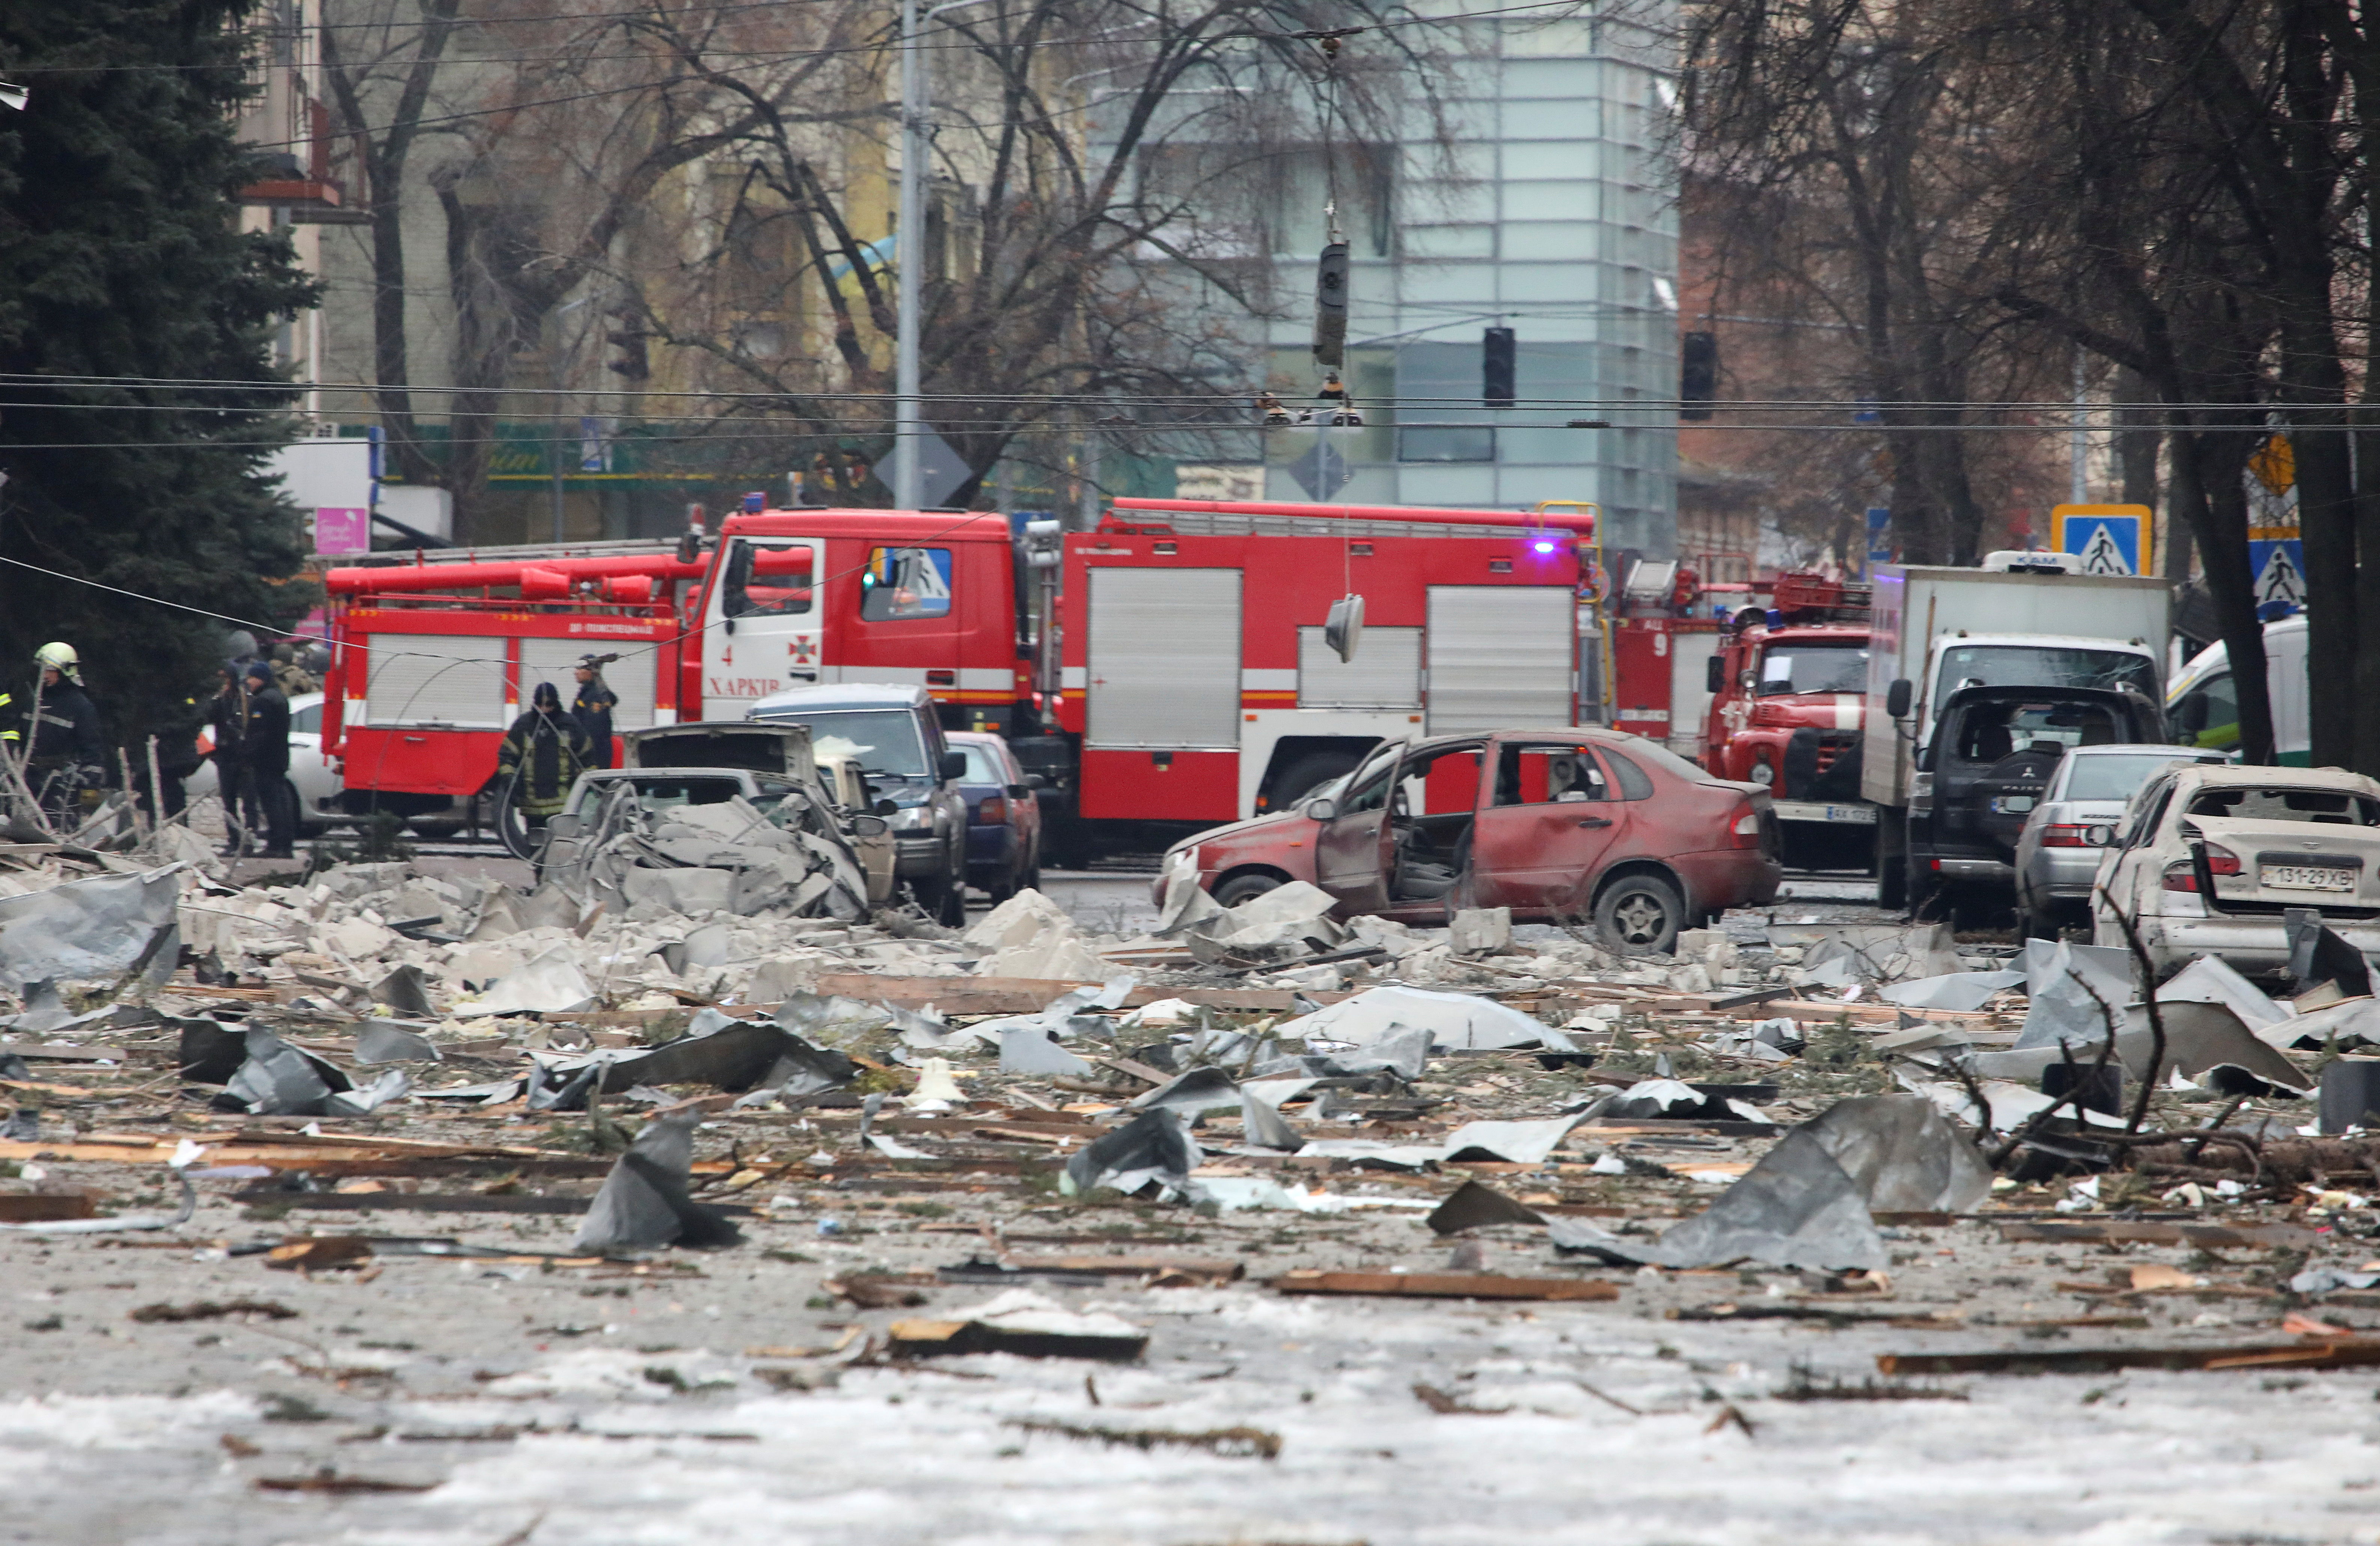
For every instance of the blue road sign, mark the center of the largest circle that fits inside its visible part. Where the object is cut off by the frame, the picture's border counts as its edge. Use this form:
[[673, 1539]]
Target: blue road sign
[[2279, 568], [1880, 536], [2110, 539]]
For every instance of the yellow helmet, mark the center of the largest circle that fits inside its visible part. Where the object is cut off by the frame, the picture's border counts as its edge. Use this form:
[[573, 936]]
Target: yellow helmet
[[60, 658]]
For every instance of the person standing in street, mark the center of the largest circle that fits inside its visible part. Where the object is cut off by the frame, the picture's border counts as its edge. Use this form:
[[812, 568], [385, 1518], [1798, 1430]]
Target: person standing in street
[[292, 678], [228, 717], [593, 709], [543, 754], [66, 755], [265, 748], [178, 757]]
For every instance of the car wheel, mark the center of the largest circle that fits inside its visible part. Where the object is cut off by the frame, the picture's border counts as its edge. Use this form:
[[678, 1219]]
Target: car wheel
[[1640, 915], [1245, 888]]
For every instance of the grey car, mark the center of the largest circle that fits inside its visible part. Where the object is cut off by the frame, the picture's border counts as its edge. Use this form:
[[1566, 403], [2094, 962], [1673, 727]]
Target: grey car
[[2057, 851], [894, 734]]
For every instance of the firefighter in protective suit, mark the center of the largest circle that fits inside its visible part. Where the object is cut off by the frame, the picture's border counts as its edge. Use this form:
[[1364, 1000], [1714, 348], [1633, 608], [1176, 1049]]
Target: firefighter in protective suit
[[544, 753], [66, 756]]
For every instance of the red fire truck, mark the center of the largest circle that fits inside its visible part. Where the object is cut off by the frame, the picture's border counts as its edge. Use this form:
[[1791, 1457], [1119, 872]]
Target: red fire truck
[[1787, 709], [1186, 681]]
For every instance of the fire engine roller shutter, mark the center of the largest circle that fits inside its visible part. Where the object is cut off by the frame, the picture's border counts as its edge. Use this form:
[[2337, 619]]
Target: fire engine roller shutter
[[1499, 657], [1385, 674], [1164, 659], [435, 679], [552, 660]]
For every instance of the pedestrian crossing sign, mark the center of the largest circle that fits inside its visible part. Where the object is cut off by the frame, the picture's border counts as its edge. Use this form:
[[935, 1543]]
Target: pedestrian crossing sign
[[2110, 539]]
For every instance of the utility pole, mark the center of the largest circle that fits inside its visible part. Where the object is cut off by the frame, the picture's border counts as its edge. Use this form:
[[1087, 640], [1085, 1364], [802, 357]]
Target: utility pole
[[908, 420], [2080, 442], [554, 465]]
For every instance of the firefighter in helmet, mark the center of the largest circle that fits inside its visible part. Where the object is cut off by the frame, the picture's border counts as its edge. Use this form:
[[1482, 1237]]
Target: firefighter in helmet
[[64, 748], [544, 753]]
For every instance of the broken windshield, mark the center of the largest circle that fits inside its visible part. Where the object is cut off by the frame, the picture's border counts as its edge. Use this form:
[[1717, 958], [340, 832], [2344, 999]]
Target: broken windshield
[[2043, 665]]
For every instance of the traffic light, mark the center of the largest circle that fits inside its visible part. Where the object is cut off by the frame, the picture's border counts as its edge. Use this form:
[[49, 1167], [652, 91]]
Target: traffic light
[[1498, 349], [1330, 307], [1697, 374]]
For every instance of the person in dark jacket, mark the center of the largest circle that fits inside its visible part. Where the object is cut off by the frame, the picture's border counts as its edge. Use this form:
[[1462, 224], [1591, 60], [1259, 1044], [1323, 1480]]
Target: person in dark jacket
[[265, 746], [593, 709], [64, 746], [544, 753], [227, 715], [177, 754]]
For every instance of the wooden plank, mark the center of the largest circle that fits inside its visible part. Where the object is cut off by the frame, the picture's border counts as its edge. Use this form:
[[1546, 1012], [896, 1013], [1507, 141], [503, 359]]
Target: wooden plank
[[1443, 1285], [45, 1206], [2318, 1353], [60, 1052], [2203, 1234]]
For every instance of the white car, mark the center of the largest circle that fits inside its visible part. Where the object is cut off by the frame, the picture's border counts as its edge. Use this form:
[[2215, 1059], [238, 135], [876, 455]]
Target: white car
[[2211, 857], [318, 782]]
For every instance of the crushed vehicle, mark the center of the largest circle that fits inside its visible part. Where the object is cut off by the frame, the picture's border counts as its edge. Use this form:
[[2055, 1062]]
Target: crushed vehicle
[[895, 736], [1984, 768], [730, 818], [2212, 860], [2076, 816], [1004, 833], [846, 785], [1573, 824]]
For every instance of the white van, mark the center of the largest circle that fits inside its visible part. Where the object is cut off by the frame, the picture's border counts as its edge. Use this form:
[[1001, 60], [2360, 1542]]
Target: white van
[[2202, 710]]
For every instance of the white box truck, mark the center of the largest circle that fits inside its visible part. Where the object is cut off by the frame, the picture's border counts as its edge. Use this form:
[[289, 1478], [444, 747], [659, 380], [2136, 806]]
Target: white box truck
[[2022, 620]]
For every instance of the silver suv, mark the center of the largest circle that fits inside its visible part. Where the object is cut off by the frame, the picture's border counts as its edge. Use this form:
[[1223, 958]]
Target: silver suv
[[892, 733]]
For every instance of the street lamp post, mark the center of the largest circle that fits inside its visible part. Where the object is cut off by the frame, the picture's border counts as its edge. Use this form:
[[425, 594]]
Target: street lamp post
[[916, 93]]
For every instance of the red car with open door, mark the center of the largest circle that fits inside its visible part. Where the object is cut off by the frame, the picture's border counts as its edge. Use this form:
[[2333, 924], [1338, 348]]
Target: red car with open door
[[1573, 825]]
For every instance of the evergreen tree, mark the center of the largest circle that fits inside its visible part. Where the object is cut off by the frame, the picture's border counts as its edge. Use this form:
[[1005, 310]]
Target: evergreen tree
[[123, 279]]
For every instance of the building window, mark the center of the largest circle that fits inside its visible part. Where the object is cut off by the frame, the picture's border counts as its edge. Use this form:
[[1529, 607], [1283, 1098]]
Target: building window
[[1439, 384]]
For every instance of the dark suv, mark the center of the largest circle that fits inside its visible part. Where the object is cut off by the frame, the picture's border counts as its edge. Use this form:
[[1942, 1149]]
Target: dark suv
[[892, 733], [1988, 764]]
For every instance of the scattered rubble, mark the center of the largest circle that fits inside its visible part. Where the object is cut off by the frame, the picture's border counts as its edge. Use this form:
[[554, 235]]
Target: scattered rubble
[[686, 1053]]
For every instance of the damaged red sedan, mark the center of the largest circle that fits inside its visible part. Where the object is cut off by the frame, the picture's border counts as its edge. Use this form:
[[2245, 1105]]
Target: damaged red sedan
[[1572, 825]]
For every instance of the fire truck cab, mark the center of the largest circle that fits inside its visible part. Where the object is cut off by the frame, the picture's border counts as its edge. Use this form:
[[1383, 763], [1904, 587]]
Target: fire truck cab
[[1787, 710]]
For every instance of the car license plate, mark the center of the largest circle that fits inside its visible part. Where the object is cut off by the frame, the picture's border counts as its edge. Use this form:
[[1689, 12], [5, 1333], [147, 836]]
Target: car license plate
[[2012, 805], [1809, 811], [2304, 877]]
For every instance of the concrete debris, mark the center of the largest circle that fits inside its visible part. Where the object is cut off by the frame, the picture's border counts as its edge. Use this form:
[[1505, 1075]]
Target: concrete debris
[[1480, 931], [725, 858], [1786, 1122], [1840, 955], [1285, 922]]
